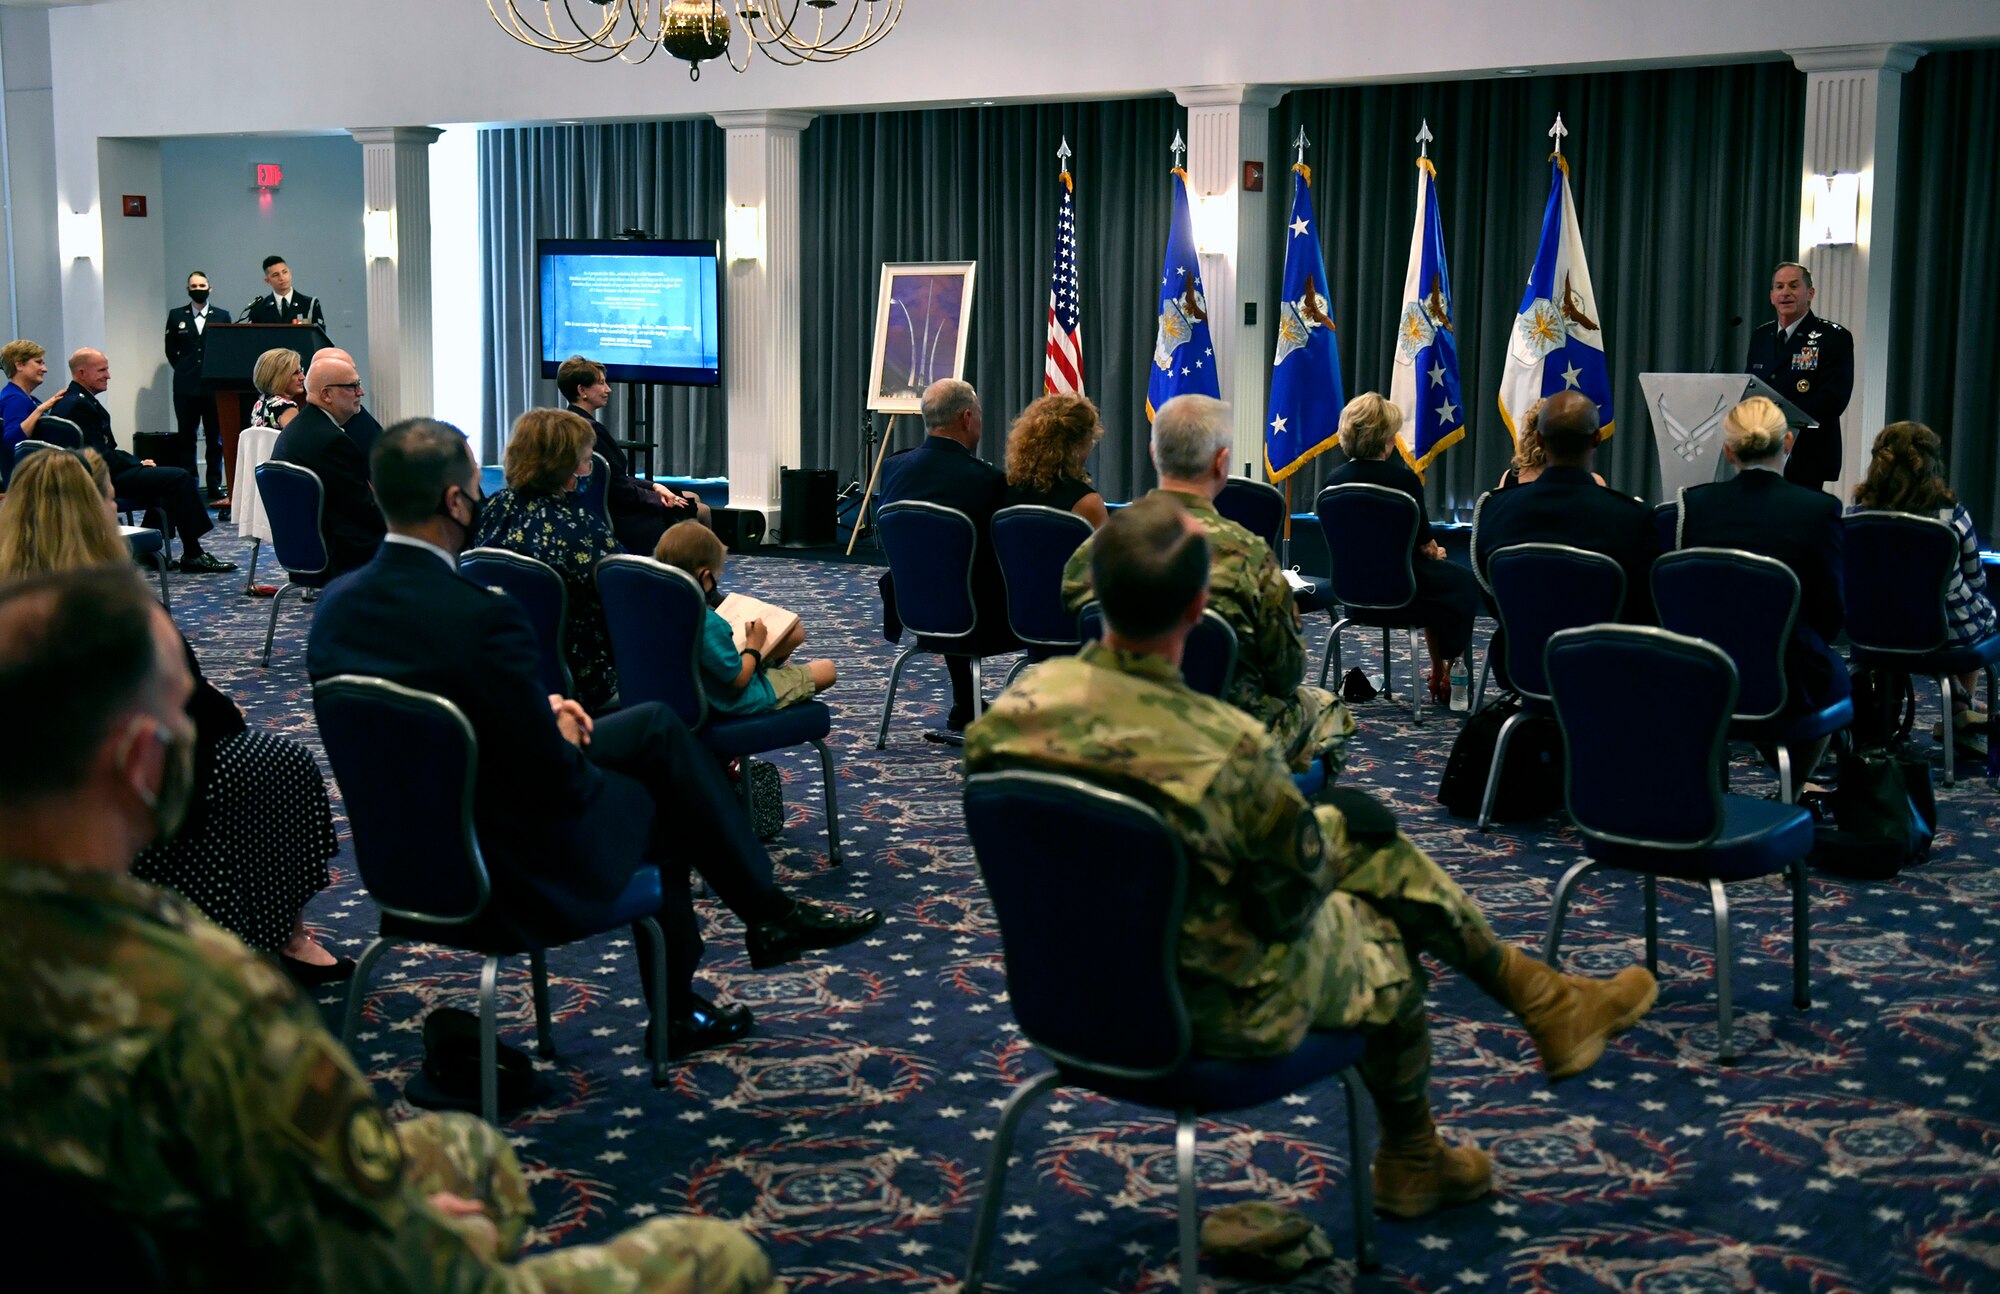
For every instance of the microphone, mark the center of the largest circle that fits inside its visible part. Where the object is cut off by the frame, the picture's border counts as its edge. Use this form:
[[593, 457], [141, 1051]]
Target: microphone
[[1727, 329]]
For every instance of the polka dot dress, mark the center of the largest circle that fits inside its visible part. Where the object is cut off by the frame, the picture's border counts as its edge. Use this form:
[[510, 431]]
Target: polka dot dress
[[256, 842]]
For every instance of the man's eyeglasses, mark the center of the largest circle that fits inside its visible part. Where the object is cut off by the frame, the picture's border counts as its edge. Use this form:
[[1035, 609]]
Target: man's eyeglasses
[[344, 386]]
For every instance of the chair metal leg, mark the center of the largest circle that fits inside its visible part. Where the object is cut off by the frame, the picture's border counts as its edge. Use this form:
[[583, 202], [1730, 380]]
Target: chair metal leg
[[1014, 673], [1785, 791], [1388, 670], [1367, 1254], [1652, 888], [1950, 734], [1992, 694], [1417, 685], [357, 989], [1725, 1047], [1801, 937], [250, 580], [1330, 658], [271, 630], [832, 802], [653, 948], [889, 697], [489, 1041], [1493, 773], [978, 689], [996, 1175], [1485, 668], [166, 596], [1190, 1216], [538, 969], [1577, 872]]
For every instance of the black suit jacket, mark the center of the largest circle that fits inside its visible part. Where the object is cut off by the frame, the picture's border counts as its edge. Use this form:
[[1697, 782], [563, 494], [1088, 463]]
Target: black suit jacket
[[1565, 506], [1814, 369], [184, 345], [353, 524], [560, 835], [264, 310], [94, 421], [945, 472], [363, 430]]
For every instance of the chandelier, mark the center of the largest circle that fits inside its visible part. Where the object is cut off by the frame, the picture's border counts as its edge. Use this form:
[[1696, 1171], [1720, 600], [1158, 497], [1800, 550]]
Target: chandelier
[[695, 31]]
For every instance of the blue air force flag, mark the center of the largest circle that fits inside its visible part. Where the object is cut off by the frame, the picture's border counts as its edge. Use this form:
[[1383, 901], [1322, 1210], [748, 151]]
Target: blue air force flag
[[1306, 391], [1424, 382], [1558, 341], [1183, 356]]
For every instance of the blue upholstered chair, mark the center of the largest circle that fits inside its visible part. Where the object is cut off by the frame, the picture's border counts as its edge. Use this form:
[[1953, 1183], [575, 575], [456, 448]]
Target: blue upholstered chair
[[1667, 525], [1122, 880], [295, 505], [541, 592], [593, 493], [24, 448], [1369, 531], [1644, 786], [1259, 507], [150, 546], [407, 763], [1033, 544], [1541, 590], [656, 614], [931, 549], [1898, 569], [1208, 663], [1747, 605]]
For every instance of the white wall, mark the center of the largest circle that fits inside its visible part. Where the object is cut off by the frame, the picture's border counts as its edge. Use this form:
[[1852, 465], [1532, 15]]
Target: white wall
[[458, 282], [33, 278], [141, 394]]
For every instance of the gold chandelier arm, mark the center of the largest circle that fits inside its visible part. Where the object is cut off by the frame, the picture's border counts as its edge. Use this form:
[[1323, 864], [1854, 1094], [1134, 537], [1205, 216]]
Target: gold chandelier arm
[[777, 28]]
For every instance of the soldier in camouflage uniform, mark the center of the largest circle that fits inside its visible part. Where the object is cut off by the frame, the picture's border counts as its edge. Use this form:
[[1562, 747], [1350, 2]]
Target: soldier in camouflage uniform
[[1297, 917], [1191, 443], [175, 1073]]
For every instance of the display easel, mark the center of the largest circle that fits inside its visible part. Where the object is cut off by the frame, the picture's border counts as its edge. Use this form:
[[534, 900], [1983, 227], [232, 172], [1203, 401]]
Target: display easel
[[874, 475]]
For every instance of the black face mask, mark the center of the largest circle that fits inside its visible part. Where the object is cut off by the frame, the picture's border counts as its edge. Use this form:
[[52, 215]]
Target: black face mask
[[198, 295], [715, 593], [471, 526]]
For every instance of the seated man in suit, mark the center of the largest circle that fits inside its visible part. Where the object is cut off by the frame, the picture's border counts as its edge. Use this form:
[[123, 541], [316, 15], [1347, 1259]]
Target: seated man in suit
[[170, 490], [316, 440], [641, 511], [169, 1074], [565, 808], [1191, 444], [1566, 505], [946, 469], [1296, 917], [362, 428], [281, 305]]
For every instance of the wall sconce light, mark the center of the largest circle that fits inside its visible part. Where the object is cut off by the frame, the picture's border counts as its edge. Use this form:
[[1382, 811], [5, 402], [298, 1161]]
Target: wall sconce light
[[1835, 216], [1214, 217], [80, 235], [746, 233], [378, 234]]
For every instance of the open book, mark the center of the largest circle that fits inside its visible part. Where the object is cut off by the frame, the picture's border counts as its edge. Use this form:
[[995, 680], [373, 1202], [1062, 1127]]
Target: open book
[[739, 610]]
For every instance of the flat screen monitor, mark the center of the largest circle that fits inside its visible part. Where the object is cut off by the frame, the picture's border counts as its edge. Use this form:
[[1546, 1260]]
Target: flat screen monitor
[[646, 310]]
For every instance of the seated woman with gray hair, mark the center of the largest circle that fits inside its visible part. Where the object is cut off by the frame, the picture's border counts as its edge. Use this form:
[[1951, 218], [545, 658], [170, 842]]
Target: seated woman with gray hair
[[1447, 597]]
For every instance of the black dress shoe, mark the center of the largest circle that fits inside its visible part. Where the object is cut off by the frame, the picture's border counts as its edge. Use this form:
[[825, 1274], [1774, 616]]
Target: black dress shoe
[[808, 925], [204, 564], [312, 975], [703, 1024]]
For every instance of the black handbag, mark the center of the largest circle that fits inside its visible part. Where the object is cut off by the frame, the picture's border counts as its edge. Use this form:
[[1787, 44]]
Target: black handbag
[[1886, 811], [1531, 781]]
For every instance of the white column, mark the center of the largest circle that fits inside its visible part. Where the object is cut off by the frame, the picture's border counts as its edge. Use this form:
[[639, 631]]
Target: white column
[[1228, 125], [760, 357], [1854, 100], [396, 178]]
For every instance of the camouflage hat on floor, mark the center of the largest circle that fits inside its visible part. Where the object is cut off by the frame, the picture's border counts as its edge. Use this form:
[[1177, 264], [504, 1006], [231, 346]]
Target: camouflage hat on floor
[[1262, 1241]]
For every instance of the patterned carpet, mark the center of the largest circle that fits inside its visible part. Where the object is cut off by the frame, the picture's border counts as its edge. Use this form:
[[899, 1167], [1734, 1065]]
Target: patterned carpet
[[1854, 1147]]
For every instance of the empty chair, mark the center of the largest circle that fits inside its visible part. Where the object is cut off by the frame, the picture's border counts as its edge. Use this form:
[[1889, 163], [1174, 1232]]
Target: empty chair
[[540, 591], [1259, 507], [656, 614], [1121, 877], [294, 501], [593, 492], [931, 551], [1747, 605], [1644, 786], [407, 762], [1370, 534], [1033, 544]]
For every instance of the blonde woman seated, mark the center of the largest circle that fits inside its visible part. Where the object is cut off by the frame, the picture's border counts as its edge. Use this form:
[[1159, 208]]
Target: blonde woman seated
[[281, 380], [538, 515], [1047, 448], [1447, 598], [753, 678], [1529, 456], [259, 829]]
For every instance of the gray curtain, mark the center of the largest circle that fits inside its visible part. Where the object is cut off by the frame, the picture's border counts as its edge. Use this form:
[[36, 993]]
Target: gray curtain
[[664, 177], [1942, 339], [1686, 184], [980, 184]]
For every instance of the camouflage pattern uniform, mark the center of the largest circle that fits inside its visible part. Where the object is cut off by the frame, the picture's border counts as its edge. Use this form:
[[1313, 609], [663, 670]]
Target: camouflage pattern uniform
[[1297, 916], [1247, 589], [158, 1059]]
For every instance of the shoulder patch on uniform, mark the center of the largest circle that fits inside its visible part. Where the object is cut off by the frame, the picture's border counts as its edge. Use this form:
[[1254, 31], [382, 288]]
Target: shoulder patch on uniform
[[1310, 847], [369, 1150]]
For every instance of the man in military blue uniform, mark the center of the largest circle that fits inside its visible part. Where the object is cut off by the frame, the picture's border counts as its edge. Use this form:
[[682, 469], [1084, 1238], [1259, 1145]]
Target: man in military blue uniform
[[282, 305], [1809, 361], [194, 407]]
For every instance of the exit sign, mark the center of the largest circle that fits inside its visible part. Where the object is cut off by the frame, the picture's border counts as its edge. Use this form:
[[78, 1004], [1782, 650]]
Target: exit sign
[[269, 175]]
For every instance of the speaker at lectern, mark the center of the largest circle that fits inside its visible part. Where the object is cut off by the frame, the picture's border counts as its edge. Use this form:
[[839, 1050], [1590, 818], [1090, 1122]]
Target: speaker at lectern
[[1687, 411]]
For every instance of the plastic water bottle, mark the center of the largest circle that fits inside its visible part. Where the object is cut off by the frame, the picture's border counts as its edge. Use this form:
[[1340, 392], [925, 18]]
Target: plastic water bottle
[[1461, 690]]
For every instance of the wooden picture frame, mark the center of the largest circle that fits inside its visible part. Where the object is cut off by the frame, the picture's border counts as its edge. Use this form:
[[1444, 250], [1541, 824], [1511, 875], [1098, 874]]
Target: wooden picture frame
[[923, 316]]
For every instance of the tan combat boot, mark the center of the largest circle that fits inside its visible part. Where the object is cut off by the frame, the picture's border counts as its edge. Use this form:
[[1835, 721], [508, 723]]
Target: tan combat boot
[[1569, 1017], [1417, 1171]]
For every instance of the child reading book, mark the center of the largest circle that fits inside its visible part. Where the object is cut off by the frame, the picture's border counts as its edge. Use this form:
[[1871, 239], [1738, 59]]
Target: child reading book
[[746, 644]]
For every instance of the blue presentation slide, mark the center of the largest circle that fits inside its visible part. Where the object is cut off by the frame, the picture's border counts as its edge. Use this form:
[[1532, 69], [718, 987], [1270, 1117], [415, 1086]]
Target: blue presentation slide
[[644, 311]]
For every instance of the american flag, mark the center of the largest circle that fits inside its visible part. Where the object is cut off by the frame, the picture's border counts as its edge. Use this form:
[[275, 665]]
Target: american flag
[[1064, 370]]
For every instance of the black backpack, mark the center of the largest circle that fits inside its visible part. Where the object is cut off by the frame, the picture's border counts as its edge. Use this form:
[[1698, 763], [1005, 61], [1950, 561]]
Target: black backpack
[[1531, 782]]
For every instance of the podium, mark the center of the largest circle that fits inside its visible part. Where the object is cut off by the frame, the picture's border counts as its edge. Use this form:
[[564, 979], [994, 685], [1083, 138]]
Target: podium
[[229, 362], [1687, 411]]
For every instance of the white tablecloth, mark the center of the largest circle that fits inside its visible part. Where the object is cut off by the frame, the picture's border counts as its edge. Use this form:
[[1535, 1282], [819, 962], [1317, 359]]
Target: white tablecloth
[[246, 506]]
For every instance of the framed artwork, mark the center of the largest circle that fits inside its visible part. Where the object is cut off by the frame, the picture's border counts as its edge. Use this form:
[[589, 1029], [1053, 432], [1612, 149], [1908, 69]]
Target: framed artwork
[[923, 313]]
